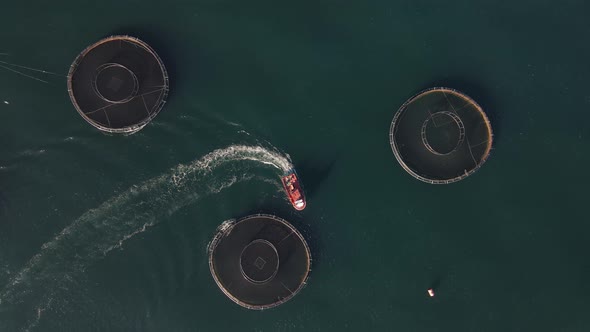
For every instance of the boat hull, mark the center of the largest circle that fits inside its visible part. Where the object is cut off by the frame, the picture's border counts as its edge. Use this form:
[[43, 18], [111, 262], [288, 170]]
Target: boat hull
[[294, 191]]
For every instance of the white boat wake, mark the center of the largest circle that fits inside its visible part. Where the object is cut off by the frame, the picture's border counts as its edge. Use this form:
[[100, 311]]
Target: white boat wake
[[105, 228]]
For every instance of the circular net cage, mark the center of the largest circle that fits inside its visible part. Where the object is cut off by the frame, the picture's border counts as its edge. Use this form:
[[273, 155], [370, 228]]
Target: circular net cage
[[118, 85], [259, 261], [440, 136]]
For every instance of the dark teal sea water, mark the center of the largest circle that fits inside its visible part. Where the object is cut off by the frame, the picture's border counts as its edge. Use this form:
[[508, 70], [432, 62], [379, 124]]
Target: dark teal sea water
[[108, 233]]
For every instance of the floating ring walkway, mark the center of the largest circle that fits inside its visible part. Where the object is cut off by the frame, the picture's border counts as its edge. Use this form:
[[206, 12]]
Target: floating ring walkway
[[440, 136], [118, 84], [259, 261]]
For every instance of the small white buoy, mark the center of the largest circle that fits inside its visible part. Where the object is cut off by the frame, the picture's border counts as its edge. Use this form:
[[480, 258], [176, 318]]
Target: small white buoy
[[431, 292], [6, 102]]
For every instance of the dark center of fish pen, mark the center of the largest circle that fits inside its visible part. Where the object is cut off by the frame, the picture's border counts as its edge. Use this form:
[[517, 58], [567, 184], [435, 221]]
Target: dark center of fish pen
[[115, 83], [443, 132], [259, 261]]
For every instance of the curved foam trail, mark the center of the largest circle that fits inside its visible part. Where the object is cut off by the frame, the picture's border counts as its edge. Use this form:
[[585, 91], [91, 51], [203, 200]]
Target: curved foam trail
[[100, 230]]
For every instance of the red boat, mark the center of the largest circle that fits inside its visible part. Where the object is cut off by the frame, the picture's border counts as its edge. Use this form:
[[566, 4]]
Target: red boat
[[293, 189]]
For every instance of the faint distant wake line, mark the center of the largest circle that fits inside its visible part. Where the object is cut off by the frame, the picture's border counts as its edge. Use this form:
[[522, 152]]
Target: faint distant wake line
[[31, 68], [23, 74], [100, 230]]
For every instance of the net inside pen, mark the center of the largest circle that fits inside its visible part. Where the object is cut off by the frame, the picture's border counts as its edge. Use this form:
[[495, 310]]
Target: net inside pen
[[440, 136], [118, 84], [260, 261]]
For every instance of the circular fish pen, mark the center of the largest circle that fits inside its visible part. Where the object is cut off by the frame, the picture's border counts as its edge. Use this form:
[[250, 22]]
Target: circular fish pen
[[118, 84], [440, 136], [259, 261]]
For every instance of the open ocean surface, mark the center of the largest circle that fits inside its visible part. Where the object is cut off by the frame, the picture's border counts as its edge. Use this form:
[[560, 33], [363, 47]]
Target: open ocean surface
[[108, 233]]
